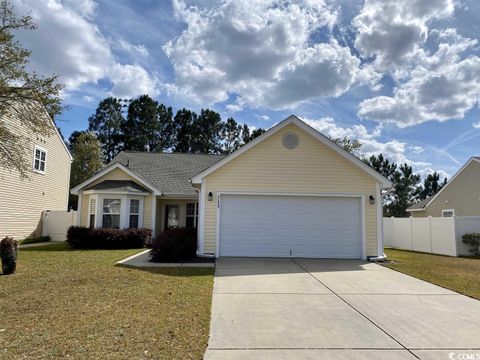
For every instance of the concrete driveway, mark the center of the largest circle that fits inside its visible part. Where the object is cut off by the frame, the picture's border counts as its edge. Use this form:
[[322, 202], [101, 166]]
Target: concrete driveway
[[293, 309]]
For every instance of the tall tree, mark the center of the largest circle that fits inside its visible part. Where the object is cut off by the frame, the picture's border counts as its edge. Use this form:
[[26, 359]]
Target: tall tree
[[87, 159], [351, 145], [184, 130], [23, 94], [107, 123], [248, 135], [142, 127], [206, 130], [166, 128], [382, 165], [256, 133], [406, 188], [231, 133], [431, 185]]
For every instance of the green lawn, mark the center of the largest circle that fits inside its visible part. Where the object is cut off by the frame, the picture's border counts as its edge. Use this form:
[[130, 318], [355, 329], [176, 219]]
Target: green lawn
[[458, 274], [76, 303]]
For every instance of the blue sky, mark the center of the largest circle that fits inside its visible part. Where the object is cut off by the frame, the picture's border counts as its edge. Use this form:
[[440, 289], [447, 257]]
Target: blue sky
[[403, 76]]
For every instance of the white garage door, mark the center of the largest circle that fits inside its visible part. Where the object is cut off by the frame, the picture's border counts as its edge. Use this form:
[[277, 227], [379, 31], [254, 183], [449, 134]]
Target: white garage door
[[290, 226]]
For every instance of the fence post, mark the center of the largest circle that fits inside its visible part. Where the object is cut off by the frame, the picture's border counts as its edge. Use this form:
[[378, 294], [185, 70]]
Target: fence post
[[455, 235]]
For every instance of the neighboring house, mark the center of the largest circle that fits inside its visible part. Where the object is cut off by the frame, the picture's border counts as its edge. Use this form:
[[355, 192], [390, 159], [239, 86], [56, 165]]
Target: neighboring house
[[46, 188], [291, 192], [459, 197]]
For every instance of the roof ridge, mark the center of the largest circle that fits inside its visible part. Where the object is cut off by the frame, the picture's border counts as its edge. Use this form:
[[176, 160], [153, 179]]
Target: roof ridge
[[165, 153]]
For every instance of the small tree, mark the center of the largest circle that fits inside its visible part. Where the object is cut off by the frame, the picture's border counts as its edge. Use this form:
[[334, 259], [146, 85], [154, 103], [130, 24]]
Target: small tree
[[23, 94], [87, 160], [351, 145]]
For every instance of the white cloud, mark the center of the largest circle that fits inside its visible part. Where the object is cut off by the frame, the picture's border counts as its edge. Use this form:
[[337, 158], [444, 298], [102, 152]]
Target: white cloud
[[392, 30], [68, 43], [476, 125], [441, 86], [138, 49], [417, 149], [258, 51], [131, 80]]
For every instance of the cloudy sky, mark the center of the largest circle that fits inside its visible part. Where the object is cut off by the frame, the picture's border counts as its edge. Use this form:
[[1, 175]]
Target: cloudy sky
[[403, 76]]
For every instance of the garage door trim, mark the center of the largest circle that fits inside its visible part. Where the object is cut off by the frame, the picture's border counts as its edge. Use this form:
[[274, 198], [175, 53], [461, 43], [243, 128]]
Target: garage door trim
[[350, 195]]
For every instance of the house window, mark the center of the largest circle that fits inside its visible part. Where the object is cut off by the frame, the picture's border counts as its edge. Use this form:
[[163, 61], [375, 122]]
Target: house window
[[39, 160], [134, 213], [111, 213], [448, 213], [192, 215], [91, 212]]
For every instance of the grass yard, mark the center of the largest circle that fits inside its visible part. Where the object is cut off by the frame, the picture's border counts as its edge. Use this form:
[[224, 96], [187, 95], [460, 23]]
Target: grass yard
[[75, 303], [458, 274]]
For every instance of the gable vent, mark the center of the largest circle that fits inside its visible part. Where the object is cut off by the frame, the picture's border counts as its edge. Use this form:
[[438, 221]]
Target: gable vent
[[290, 140]]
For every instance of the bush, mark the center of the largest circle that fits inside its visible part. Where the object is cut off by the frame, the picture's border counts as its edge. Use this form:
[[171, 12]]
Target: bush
[[175, 245], [8, 253], [33, 240], [79, 237], [473, 240]]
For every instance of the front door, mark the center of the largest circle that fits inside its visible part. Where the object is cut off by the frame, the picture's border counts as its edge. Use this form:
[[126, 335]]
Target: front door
[[172, 216]]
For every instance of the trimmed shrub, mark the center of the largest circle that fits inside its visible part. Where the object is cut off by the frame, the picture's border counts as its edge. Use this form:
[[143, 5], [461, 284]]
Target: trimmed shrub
[[473, 240], [79, 237], [175, 245], [33, 240], [8, 253]]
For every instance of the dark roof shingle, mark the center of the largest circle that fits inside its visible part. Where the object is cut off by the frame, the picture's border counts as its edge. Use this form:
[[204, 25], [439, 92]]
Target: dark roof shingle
[[419, 205], [169, 173], [118, 185]]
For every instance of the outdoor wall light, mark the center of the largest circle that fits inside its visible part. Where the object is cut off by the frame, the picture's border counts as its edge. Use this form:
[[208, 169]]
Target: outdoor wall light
[[210, 196], [371, 198]]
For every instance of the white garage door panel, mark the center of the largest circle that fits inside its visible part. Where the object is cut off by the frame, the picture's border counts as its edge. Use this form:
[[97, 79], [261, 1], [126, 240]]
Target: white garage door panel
[[254, 225]]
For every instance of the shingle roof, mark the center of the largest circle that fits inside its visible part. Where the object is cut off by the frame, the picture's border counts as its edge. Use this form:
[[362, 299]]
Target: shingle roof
[[169, 173], [419, 205], [118, 185]]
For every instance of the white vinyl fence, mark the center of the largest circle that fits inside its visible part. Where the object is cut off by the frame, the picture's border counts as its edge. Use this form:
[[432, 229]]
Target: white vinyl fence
[[436, 235], [56, 223]]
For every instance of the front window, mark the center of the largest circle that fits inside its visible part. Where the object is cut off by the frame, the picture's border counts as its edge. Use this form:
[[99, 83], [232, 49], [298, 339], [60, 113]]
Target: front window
[[134, 213], [111, 213], [192, 215], [40, 160]]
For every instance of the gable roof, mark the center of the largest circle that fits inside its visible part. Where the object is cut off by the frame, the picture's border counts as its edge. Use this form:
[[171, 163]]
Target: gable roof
[[292, 119], [421, 205], [163, 174], [119, 186]]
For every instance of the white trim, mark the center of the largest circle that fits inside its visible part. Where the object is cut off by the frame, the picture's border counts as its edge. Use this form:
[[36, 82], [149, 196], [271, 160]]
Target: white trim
[[201, 217], [110, 168], [42, 149], [154, 216], [140, 210], [219, 194], [446, 185], [113, 192], [292, 119], [448, 210], [379, 221], [79, 208]]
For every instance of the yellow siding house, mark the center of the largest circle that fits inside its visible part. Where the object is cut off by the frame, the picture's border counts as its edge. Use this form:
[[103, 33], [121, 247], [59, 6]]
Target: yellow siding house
[[291, 192]]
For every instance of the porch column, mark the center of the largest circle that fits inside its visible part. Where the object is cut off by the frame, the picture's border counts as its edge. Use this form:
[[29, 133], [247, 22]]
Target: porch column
[[154, 215]]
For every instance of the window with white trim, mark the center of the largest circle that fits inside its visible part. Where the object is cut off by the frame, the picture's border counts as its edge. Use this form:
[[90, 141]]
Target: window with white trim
[[134, 213], [39, 160], [111, 213], [192, 215], [448, 213], [91, 212]]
